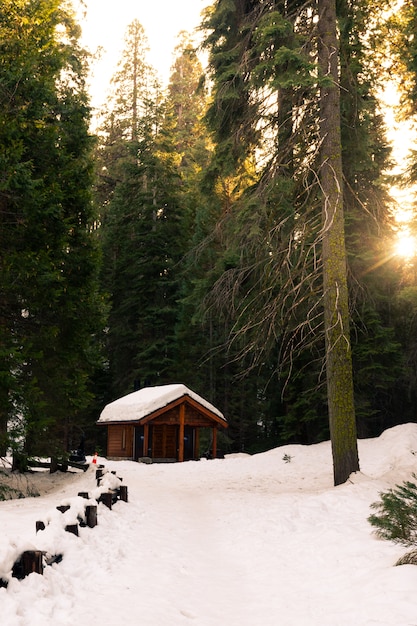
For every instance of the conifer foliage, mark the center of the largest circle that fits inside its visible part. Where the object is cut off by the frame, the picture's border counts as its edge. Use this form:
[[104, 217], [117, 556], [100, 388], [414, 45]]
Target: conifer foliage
[[396, 514], [242, 220], [50, 310], [142, 239]]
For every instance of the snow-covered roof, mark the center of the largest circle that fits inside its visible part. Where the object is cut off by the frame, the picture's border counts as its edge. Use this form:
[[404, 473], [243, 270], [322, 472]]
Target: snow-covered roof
[[141, 403]]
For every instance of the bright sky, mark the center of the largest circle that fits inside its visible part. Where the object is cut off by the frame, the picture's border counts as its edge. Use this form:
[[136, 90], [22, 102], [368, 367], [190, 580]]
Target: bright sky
[[106, 22]]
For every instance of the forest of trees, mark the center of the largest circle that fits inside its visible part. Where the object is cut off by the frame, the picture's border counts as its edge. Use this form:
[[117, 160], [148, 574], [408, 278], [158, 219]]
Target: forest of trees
[[233, 231]]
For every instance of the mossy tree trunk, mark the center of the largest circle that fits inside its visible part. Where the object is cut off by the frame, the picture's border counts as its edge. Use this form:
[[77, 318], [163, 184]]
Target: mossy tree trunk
[[336, 305]]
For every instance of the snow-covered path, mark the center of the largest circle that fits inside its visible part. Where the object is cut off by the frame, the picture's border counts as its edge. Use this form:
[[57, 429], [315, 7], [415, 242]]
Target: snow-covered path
[[245, 541]]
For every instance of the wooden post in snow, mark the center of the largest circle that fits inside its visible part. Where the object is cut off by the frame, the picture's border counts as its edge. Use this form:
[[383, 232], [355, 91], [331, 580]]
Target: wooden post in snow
[[63, 507], [91, 515], [99, 475], [40, 525], [72, 528], [123, 493], [107, 499], [29, 563]]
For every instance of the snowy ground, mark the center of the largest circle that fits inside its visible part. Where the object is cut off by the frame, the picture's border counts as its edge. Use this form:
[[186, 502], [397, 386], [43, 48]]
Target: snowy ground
[[262, 540]]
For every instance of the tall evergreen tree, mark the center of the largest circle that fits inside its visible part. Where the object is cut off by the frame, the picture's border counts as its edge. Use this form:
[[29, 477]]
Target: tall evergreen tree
[[379, 365], [141, 225], [266, 110], [335, 290], [50, 304]]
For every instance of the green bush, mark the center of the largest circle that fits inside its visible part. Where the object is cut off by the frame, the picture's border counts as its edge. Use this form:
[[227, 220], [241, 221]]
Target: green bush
[[396, 514]]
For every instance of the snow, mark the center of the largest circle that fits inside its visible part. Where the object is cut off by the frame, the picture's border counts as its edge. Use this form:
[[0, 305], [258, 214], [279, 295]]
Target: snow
[[140, 403], [262, 540]]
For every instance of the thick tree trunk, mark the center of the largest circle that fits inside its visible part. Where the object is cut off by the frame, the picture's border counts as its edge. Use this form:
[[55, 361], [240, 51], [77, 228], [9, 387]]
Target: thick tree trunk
[[3, 433], [336, 308], [4, 409]]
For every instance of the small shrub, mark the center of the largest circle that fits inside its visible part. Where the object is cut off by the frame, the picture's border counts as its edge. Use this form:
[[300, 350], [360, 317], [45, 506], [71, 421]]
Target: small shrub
[[396, 514], [408, 559], [14, 486], [9, 493]]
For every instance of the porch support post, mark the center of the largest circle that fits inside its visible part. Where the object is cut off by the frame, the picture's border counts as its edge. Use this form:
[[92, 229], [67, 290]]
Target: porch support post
[[214, 446], [181, 433], [145, 439]]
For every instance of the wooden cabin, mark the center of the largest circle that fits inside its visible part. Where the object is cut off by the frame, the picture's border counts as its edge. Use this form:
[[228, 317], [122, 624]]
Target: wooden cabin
[[161, 423]]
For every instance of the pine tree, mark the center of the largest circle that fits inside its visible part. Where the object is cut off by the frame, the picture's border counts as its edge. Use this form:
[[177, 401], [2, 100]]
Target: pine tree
[[396, 514], [379, 365], [141, 230], [51, 310], [266, 111], [335, 291], [271, 226]]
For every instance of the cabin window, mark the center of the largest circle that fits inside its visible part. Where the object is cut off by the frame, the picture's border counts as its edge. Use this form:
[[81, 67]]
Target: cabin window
[[124, 439]]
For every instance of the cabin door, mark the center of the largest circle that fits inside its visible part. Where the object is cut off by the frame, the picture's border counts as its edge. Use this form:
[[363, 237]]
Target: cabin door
[[139, 437], [189, 443], [164, 441]]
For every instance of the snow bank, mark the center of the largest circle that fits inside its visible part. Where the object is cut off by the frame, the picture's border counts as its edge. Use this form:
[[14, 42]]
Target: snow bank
[[244, 541]]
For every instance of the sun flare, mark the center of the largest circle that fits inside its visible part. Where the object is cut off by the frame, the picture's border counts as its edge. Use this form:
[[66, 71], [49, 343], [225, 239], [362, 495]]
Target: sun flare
[[406, 245]]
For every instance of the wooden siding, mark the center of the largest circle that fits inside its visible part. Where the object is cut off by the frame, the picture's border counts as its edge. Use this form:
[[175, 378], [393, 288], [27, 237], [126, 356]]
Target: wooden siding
[[170, 414], [193, 417], [164, 441], [120, 440]]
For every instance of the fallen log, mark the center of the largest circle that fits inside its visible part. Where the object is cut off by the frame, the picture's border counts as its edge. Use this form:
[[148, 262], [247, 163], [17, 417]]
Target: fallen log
[[54, 465], [79, 465]]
